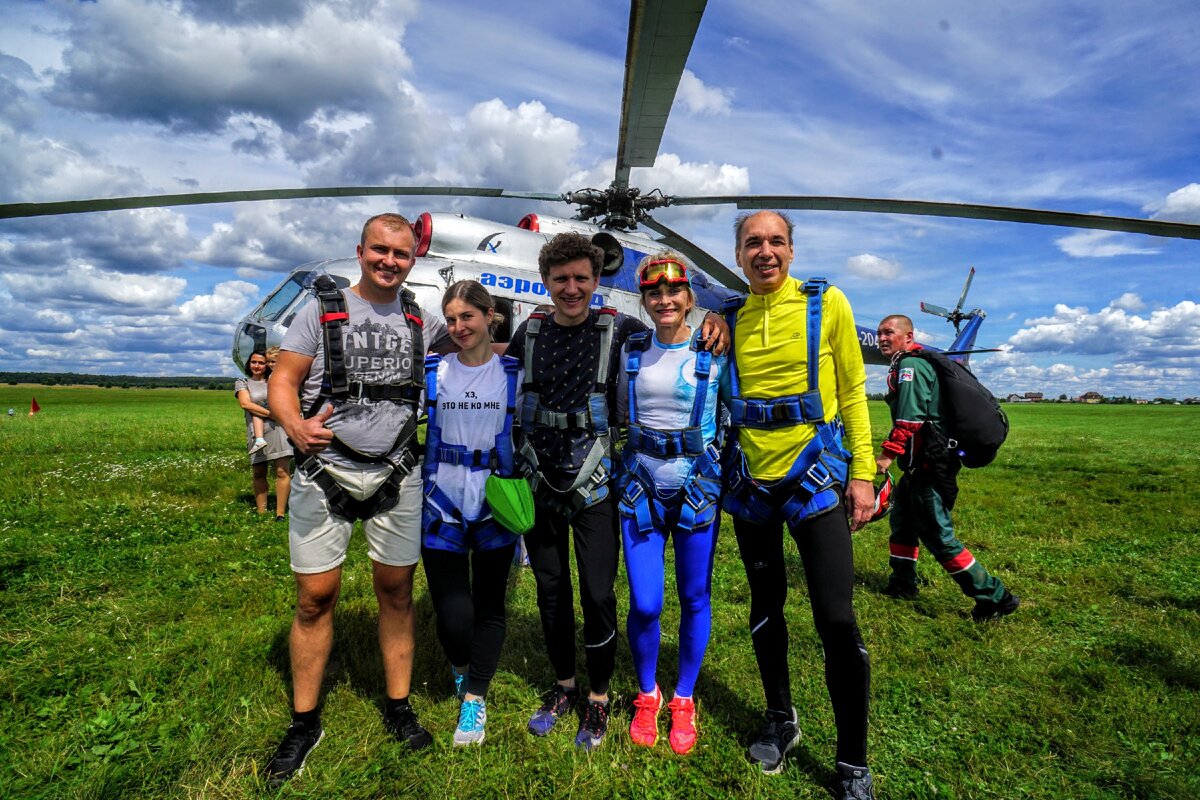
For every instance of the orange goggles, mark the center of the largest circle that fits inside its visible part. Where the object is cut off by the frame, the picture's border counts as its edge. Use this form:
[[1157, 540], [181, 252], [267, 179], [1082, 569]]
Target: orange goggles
[[664, 269]]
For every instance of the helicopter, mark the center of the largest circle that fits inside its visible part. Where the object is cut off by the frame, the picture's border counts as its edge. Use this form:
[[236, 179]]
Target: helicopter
[[451, 247], [661, 34]]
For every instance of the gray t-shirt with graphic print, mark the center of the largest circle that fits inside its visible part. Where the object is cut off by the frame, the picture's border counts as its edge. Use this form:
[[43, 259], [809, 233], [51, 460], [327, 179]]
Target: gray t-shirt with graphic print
[[378, 349]]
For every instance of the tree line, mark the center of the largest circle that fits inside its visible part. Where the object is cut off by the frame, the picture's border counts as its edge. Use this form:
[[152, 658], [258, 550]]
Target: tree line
[[118, 381]]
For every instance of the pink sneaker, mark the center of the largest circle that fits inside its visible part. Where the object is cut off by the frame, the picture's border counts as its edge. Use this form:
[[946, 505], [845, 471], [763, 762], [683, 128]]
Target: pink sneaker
[[643, 729], [683, 725]]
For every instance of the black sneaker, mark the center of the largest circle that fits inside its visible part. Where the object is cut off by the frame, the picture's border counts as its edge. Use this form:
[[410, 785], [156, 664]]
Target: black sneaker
[[593, 726], [853, 783], [773, 744], [559, 701], [986, 609], [289, 757], [900, 591], [403, 725]]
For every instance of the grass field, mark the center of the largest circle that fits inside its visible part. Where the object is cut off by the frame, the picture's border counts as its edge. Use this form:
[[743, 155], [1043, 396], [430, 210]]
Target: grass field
[[145, 611]]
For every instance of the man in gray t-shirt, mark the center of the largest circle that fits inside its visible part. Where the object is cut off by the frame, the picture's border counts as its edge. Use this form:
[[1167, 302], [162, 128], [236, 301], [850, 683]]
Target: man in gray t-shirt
[[348, 456]]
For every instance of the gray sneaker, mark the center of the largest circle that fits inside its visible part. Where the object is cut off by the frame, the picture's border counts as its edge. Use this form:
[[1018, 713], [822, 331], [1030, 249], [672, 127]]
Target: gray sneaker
[[772, 745], [853, 783], [472, 717]]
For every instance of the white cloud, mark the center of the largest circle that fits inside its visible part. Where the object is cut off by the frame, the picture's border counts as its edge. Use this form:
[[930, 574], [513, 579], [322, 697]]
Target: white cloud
[[866, 265], [1165, 333], [145, 240], [278, 236], [672, 175], [42, 169], [1101, 244], [143, 60], [697, 98], [525, 147], [1182, 205], [1129, 302], [85, 283], [228, 301]]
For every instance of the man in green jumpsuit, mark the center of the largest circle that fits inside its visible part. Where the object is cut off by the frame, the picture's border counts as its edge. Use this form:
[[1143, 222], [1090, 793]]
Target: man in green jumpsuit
[[925, 495]]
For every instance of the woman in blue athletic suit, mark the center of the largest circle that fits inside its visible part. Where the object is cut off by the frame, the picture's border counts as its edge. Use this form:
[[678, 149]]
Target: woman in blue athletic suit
[[470, 396], [670, 484]]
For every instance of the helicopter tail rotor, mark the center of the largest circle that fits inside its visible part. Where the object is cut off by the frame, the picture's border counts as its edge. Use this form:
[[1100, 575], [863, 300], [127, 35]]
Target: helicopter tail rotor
[[956, 316]]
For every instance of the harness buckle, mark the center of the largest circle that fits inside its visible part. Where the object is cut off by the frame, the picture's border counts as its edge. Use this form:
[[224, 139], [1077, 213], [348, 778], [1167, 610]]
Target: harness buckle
[[312, 467], [818, 473], [354, 390]]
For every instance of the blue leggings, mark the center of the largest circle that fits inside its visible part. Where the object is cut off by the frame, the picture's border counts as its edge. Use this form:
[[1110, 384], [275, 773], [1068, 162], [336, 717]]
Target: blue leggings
[[644, 562]]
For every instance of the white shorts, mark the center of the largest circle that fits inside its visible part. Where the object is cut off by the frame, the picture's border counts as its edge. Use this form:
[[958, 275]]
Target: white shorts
[[318, 540]]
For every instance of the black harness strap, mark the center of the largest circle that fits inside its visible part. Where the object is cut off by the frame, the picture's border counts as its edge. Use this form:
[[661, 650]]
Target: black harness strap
[[335, 384]]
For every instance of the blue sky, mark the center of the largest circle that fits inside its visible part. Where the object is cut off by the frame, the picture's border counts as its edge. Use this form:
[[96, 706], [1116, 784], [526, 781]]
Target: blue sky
[[1090, 107]]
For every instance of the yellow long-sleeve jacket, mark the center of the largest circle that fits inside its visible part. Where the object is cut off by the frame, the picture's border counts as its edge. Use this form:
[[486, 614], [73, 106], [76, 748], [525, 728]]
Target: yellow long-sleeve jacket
[[771, 348]]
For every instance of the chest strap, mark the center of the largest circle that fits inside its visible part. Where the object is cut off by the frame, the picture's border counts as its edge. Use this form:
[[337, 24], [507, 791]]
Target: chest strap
[[335, 383], [789, 410], [590, 485], [499, 459], [687, 441]]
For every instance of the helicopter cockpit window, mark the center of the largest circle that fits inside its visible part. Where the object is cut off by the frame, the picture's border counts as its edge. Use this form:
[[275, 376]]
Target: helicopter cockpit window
[[275, 305]]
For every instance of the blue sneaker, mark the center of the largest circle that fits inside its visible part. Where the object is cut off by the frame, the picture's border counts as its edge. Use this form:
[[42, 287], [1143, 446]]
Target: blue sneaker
[[593, 726], [460, 683], [472, 716], [559, 701]]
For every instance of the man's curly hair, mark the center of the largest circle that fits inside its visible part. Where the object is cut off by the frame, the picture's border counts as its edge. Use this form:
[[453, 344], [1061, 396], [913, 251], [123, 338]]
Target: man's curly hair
[[567, 247]]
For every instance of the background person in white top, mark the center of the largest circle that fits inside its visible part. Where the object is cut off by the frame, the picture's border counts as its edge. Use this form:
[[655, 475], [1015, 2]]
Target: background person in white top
[[468, 554]]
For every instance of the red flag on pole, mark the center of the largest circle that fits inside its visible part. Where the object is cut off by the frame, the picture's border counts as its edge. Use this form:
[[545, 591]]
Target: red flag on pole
[[33, 406]]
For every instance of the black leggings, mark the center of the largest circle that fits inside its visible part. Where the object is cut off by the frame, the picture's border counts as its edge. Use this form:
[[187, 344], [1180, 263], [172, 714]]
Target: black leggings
[[596, 547], [469, 603], [826, 554]]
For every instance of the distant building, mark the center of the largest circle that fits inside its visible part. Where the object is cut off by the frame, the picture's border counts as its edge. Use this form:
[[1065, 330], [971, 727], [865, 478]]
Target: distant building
[[1091, 397], [1034, 397]]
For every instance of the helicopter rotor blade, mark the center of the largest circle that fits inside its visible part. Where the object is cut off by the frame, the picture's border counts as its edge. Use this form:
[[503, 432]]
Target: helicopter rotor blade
[[13, 210], [693, 251], [972, 351], [1065, 219], [937, 311], [962, 298], [661, 33]]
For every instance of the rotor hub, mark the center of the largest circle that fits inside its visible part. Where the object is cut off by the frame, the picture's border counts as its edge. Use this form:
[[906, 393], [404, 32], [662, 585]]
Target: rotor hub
[[617, 207]]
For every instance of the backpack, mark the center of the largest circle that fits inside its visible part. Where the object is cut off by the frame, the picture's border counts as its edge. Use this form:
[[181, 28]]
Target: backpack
[[974, 421]]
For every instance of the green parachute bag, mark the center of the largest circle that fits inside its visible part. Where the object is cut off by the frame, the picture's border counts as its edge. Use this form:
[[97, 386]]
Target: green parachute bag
[[511, 501]]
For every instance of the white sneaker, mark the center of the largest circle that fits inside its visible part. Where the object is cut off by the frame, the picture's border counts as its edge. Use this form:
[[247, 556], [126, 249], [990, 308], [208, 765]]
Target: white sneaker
[[472, 716], [259, 444]]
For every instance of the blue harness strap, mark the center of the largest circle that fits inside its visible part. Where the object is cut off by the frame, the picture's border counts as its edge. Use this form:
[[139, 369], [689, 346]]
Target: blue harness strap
[[482, 531], [809, 488], [696, 500]]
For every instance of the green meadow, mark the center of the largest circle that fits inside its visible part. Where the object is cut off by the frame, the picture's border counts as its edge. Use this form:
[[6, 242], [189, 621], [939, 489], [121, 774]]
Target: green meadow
[[144, 614]]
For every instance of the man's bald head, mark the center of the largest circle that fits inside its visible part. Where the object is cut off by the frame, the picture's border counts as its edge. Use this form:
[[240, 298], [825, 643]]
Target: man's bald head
[[894, 334]]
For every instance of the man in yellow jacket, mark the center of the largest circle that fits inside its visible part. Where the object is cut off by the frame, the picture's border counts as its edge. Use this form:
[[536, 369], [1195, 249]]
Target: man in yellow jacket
[[797, 379]]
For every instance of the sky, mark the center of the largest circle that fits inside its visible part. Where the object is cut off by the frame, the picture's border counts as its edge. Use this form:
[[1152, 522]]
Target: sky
[[1074, 106]]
